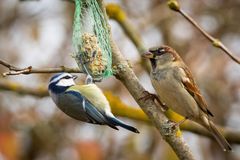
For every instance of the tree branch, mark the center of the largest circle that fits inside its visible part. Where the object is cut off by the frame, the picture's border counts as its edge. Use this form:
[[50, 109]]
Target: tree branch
[[126, 75], [120, 109], [27, 70]]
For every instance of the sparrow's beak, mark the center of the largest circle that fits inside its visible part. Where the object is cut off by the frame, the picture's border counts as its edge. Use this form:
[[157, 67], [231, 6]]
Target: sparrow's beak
[[75, 77], [147, 54]]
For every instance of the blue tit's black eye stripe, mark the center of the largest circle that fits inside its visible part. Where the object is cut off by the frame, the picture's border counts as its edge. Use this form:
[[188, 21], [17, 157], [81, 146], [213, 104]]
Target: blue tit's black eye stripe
[[59, 76], [66, 77]]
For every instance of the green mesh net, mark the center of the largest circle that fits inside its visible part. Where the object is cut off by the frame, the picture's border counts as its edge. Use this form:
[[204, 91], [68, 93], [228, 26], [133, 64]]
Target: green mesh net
[[91, 41]]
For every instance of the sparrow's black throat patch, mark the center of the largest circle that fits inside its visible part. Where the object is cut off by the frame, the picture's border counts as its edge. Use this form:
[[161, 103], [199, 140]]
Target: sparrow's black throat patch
[[153, 63]]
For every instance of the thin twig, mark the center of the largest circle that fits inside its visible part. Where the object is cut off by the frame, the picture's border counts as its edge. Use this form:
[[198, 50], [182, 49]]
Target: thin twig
[[173, 4], [28, 70], [9, 66]]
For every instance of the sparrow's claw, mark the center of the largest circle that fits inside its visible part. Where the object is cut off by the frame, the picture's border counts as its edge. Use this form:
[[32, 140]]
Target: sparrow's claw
[[173, 127], [170, 128], [179, 122], [152, 96], [148, 95]]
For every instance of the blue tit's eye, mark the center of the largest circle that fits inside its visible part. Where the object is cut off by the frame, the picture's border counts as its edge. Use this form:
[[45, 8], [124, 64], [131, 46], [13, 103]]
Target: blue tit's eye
[[67, 77]]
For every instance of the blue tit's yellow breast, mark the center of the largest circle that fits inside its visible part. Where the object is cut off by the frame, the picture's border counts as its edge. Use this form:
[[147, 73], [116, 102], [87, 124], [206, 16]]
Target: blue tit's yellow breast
[[93, 94]]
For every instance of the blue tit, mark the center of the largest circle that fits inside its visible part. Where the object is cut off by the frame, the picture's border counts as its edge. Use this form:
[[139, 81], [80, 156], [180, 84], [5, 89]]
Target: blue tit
[[86, 103]]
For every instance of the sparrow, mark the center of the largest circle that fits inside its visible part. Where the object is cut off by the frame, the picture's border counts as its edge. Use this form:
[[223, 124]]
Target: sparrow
[[176, 88]]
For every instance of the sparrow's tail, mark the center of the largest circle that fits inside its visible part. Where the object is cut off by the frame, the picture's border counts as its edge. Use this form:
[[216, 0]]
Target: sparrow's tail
[[217, 135], [118, 122]]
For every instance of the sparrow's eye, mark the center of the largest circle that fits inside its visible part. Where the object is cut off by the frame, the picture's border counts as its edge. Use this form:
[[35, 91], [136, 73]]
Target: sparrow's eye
[[161, 50], [158, 51]]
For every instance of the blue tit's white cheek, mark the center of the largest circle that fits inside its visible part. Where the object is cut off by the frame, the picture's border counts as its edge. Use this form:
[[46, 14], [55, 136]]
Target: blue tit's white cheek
[[66, 82]]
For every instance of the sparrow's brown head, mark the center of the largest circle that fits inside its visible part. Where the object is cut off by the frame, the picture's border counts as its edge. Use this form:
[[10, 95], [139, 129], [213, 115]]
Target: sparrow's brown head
[[158, 52], [161, 55]]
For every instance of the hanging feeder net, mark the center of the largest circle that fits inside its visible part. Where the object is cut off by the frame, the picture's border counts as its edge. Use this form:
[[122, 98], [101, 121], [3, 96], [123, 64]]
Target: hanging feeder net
[[91, 42]]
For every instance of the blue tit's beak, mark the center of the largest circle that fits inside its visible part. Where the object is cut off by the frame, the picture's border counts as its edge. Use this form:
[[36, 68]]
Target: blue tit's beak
[[75, 77]]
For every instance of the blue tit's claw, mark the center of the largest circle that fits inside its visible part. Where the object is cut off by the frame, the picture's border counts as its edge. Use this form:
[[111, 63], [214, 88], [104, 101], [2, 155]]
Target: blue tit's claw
[[89, 79], [98, 79]]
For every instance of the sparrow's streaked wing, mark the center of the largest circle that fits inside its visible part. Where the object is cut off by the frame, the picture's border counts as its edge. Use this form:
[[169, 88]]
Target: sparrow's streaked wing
[[190, 86]]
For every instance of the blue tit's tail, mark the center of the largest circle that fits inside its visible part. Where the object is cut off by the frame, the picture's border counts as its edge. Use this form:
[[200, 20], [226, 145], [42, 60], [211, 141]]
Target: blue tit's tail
[[117, 122]]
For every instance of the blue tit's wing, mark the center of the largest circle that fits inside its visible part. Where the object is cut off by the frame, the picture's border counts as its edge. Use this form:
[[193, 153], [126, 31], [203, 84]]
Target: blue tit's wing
[[94, 114], [94, 94]]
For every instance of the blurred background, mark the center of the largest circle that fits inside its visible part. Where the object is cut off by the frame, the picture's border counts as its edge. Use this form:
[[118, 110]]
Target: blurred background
[[38, 33]]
